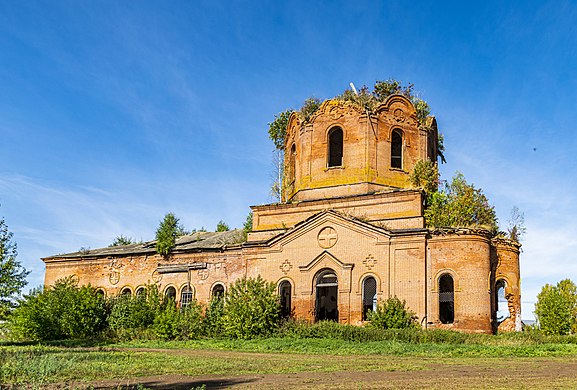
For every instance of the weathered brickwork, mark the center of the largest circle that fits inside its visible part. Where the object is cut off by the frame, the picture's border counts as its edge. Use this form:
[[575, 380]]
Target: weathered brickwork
[[341, 231]]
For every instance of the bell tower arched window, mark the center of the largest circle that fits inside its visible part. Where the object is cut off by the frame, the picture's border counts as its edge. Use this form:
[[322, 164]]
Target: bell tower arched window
[[292, 163], [335, 147], [397, 149]]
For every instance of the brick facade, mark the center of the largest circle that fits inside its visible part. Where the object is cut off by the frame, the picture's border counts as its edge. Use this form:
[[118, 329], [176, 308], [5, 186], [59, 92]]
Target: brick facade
[[339, 229]]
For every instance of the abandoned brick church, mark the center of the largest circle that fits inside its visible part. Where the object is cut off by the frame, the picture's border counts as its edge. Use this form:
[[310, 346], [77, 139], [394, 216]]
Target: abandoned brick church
[[350, 233]]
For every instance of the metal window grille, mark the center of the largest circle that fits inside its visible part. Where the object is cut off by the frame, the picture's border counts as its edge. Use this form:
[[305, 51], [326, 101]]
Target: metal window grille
[[396, 150], [369, 295], [185, 297], [446, 297]]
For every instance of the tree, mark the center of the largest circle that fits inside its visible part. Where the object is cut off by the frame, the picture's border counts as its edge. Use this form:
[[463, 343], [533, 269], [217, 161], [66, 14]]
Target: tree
[[222, 227], [167, 233], [516, 228], [251, 308], [460, 204], [63, 311], [247, 226], [277, 133], [12, 274], [425, 176], [384, 89], [122, 240], [277, 128], [310, 106], [556, 308]]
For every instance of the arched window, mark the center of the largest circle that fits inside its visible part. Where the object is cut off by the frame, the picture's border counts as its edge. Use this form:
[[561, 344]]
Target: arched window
[[126, 292], [397, 149], [335, 147], [327, 287], [292, 164], [141, 292], [502, 303], [170, 294], [446, 299], [100, 293], [285, 291], [369, 296], [218, 291], [186, 296]]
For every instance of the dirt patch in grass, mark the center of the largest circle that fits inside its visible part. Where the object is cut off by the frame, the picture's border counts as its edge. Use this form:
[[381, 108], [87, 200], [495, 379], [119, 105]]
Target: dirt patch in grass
[[366, 372]]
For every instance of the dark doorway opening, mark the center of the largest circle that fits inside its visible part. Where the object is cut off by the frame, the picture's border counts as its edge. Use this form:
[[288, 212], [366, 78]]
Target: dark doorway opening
[[285, 298], [502, 303], [446, 299], [327, 289], [369, 296]]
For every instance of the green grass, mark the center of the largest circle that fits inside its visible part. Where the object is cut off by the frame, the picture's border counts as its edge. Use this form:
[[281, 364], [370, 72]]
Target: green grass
[[37, 364], [344, 347]]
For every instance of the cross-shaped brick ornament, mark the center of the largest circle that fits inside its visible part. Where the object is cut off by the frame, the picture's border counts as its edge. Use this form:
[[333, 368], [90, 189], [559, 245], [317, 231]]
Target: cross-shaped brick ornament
[[370, 261], [286, 267], [327, 237]]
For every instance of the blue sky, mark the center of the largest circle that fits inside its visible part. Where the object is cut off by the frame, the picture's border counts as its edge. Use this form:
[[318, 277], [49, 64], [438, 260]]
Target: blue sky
[[113, 113]]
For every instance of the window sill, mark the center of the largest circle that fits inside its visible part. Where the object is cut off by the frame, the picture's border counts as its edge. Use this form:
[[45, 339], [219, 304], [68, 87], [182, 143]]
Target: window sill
[[397, 170], [337, 167]]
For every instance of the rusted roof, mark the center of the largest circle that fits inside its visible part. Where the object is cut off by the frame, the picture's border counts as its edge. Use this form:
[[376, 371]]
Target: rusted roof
[[200, 241]]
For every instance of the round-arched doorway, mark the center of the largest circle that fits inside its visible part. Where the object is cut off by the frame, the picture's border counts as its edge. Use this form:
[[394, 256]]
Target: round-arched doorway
[[327, 288]]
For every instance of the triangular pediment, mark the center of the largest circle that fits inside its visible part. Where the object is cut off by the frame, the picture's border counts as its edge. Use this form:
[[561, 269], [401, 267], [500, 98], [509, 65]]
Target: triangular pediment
[[338, 220], [326, 259]]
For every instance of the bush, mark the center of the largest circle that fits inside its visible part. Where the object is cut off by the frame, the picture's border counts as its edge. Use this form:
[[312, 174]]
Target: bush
[[132, 313], [392, 314], [63, 311], [165, 325], [251, 308], [213, 317], [190, 325], [182, 324]]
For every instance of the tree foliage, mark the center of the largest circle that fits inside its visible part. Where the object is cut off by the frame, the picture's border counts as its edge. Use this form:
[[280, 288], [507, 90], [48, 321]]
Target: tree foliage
[[221, 226], [277, 128], [392, 314], [63, 311], [386, 88], [247, 226], [251, 308], [425, 176], [213, 317], [516, 229], [167, 232], [12, 274], [556, 308], [460, 204], [122, 240], [310, 106]]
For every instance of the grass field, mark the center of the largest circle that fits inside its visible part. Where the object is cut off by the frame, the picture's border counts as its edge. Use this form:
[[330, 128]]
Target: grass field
[[480, 362]]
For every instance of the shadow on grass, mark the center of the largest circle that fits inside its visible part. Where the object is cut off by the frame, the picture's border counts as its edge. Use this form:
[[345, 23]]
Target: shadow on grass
[[58, 343], [183, 383]]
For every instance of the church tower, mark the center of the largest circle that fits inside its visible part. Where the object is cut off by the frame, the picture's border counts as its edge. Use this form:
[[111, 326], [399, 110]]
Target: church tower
[[344, 150], [347, 159]]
